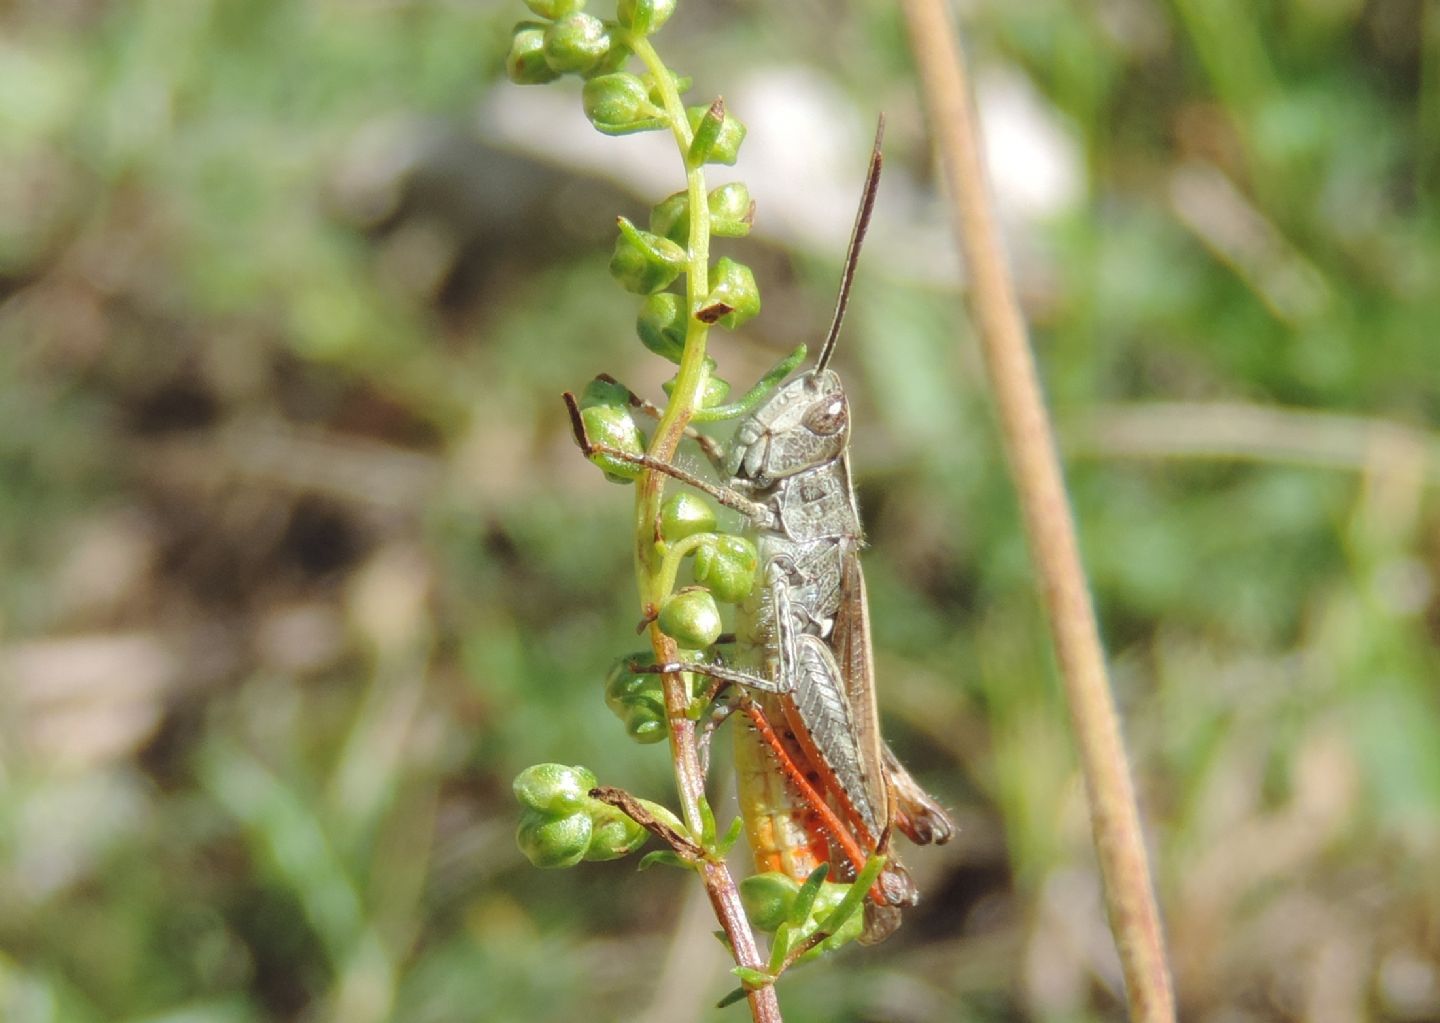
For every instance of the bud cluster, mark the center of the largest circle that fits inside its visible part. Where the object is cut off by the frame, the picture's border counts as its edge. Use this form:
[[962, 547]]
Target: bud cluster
[[724, 568], [561, 824], [774, 901]]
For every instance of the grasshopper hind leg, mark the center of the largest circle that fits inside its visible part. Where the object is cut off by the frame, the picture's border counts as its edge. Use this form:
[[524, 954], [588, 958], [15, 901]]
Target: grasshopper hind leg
[[917, 814]]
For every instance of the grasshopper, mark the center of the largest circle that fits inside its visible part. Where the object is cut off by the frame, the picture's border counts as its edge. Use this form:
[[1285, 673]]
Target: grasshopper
[[817, 782]]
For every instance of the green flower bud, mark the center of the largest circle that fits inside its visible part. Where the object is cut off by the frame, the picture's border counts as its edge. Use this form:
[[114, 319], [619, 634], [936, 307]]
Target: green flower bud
[[691, 618], [727, 567], [605, 392], [552, 9], [645, 722], [732, 211], [636, 699], [643, 262], [622, 684], [670, 218], [767, 899], [715, 391], [728, 135], [550, 842], [681, 82], [617, 105], [826, 902], [661, 325], [614, 60], [525, 63], [734, 298], [577, 42], [644, 16], [614, 427], [612, 834], [685, 514], [554, 789]]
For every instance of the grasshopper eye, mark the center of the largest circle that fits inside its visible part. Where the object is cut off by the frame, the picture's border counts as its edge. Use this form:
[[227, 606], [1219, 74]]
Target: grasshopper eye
[[827, 419]]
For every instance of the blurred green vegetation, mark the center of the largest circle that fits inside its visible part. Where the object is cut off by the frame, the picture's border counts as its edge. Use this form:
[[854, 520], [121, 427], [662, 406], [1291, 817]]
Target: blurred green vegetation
[[301, 568]]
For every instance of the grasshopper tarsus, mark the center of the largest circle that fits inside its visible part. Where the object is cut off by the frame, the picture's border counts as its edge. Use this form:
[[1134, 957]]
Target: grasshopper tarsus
[[712, 450], [761, 515]]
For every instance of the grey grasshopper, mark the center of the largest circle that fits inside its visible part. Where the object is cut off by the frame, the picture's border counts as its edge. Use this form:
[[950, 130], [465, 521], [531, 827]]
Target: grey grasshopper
[[817, 782]]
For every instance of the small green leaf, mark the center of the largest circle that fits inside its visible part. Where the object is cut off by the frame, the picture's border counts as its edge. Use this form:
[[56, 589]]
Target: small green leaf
[[855, 897], [663, 857], [805, 898], [780, 947], [707, 134], [752, 977], [726, 146], [707, 824], [738, 995], [732, 835]]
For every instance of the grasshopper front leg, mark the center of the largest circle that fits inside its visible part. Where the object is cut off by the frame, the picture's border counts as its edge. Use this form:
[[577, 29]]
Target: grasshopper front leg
[[709, 445], [761, 514]]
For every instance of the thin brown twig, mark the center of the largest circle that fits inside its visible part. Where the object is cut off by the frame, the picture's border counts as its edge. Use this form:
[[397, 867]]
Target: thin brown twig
[[1049, 526], [635, 810]]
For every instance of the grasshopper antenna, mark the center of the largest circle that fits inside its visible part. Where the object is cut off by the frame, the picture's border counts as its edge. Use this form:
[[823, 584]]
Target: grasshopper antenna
[[857, 237]]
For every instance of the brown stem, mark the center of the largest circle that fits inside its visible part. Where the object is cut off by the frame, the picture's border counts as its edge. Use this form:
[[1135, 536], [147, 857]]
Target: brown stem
[[635, 810], [719, 885], [1049, 526]]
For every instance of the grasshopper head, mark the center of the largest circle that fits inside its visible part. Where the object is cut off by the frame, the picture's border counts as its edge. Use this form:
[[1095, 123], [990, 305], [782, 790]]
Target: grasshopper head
[[804, 424]]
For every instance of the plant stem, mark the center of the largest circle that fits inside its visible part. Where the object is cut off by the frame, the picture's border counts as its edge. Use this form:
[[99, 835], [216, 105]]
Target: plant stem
[[690, 381], [1049, 525]]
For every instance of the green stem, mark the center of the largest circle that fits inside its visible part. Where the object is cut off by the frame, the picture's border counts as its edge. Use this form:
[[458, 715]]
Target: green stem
[[690, 379], [649, 549], [674, 554]]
